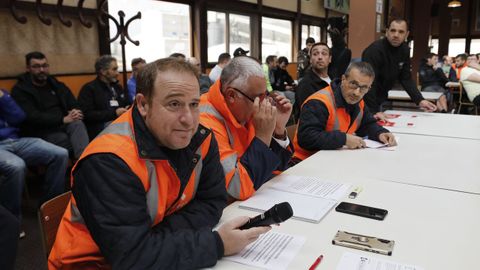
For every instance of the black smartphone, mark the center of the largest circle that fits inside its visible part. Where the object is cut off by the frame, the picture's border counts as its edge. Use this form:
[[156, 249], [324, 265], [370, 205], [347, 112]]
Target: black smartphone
[[361, 210]]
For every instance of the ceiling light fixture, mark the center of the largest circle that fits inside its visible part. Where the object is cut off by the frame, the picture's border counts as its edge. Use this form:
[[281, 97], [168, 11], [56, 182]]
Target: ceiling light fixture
[[454, 4]]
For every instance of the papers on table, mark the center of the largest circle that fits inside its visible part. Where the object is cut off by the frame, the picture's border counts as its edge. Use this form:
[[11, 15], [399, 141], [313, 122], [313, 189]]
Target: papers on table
[[311, 186], [379, 145], [311, 198], [272, 250], [399, 120], [352, 261]]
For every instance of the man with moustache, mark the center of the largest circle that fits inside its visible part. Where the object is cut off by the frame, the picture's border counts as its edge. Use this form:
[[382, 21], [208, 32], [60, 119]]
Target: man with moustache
[[316, 77], [390, 59], [103, 99], [52, 111], [334, 118]]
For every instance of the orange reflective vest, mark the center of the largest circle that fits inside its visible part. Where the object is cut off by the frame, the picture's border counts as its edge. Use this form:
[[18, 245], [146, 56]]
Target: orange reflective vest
[[74, 247], [233, 140], [338, 119]]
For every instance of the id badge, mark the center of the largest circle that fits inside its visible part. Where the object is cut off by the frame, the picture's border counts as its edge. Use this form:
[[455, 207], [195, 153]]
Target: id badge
[[114, 103]]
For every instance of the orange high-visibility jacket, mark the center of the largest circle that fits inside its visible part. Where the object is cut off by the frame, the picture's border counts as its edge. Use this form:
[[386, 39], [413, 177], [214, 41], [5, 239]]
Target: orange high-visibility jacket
[[74, 247], [233, 140], [338, 119]]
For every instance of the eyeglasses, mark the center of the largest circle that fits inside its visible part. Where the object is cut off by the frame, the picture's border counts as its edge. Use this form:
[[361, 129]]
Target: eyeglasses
[[37, 66], [354, 85], [261, 97]]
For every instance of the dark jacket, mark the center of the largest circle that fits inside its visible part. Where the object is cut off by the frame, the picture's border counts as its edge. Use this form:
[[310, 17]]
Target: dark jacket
[[430, 77], [39, 121], [313, 120], [282, 78], [310, 84], [94, 100], [390, 64], [112, 201], [11, 115]]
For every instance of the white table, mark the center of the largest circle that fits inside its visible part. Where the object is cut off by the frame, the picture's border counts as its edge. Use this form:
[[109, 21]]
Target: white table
[[436, 162], [438, 124], [432, 228], [403, 95]]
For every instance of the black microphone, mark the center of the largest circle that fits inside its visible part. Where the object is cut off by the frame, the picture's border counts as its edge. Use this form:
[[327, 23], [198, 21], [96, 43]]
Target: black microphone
[[278, 213]]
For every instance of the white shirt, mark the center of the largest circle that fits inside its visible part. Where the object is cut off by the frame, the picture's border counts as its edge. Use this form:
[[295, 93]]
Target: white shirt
[[215, 73], [472, 88], [327, 79]]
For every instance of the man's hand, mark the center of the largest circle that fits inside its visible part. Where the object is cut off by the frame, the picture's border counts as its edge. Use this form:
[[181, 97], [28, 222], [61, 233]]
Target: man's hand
[[387, 138], [119, 111], [427, 106], [73, 115], [264, 115], [234, 239], [284, 110], [354, 142]]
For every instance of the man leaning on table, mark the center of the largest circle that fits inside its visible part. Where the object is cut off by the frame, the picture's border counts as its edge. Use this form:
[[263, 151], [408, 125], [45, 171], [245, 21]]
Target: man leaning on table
[[249, 126], [148, 190], [336, 116]]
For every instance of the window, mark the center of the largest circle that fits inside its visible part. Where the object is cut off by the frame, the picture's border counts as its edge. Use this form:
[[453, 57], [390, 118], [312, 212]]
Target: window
[[434, 45], [456, 46], [226, 39], [276, 38], [475, 46], [310, 31], [163, 29]]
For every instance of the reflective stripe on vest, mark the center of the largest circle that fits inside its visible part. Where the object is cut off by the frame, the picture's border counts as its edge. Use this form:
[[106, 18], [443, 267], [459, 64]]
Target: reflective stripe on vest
[[234, 188], [124, 129]]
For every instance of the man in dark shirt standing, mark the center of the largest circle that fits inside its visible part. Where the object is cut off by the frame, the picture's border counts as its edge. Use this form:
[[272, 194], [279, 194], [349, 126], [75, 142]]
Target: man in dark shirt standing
[[103, 99], [52, 111], [316, 77], [390, 58]]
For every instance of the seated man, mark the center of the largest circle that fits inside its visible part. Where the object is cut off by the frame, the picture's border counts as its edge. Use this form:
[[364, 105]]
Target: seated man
[[148, 190], [250, 130], [52, 111], [470, 78], [17, 153], [203, 79], [332, 118], [269, 68], [223, 60], [433, 79], [284, 83], [103, 99], [137, 64]]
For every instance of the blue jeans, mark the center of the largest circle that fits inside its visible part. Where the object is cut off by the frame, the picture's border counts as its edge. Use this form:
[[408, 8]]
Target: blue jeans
[[15, 155]]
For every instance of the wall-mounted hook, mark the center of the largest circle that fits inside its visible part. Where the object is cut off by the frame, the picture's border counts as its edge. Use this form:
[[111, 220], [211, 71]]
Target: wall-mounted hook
[[13, 10], [101, 12], [65, 22], [80, 15], [43, 19]]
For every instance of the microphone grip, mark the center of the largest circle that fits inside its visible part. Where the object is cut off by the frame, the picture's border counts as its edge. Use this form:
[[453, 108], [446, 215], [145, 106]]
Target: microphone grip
[[256, 222]]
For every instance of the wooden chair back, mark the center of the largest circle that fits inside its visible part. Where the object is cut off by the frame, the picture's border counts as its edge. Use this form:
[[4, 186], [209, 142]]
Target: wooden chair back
[[50, 214]]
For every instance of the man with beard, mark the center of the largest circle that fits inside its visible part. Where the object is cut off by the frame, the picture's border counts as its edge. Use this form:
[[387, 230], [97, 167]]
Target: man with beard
[[334, 118], [103, 99], [390, 58], [316, 77], [52, 111]]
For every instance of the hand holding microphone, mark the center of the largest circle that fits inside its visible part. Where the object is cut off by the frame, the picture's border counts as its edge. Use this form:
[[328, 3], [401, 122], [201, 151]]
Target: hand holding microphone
[[277, 214]]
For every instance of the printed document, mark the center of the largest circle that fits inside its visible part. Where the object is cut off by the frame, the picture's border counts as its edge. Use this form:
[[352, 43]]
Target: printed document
[[311, 186], [272, 250], [379, 145], [352, 261]]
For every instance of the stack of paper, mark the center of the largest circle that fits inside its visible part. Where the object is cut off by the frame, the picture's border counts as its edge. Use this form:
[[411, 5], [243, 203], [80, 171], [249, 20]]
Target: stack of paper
[[311, 198], [352, 261]]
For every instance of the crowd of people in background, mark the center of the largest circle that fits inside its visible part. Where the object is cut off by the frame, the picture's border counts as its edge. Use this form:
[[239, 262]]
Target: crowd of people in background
[[225, 130]]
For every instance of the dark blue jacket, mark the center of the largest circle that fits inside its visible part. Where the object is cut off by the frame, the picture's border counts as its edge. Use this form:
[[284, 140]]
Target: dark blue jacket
[[112, 201], [11, 115]]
